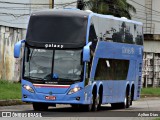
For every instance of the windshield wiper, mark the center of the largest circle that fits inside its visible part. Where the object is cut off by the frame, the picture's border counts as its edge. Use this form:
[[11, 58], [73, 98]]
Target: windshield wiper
[[34, 78], [67, 80]]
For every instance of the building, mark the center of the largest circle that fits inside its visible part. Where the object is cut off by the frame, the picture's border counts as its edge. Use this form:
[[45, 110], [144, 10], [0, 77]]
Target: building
[[14, 16], [148, 12], [59, 4]]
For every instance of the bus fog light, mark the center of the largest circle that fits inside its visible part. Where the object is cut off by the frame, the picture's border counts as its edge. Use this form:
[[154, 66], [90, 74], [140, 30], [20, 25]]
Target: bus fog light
[[27, 87], [73, 90], [24, 96], [78, 98]]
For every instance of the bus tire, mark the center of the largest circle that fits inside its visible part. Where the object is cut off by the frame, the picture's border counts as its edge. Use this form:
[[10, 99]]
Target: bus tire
[[131, 100], [95, 103], [78, 107], [100, 97], [132, 95], [40, 106], [36, 107], [75, 106], [115, 105], [126, 102], [99, 102], [89, 107]]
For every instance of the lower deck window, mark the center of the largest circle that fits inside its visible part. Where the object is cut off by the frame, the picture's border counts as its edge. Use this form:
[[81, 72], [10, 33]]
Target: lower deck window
[[111, 69]]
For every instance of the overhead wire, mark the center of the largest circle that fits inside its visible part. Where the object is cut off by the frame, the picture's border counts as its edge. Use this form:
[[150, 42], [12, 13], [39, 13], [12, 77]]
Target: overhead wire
[[145, 6], [27, 7], [36, 3], [154, 13], [39, 5]]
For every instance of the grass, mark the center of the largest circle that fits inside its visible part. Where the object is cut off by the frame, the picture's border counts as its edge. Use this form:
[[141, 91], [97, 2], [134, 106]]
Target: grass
[[151, 91], [9, 90], [156, 119]]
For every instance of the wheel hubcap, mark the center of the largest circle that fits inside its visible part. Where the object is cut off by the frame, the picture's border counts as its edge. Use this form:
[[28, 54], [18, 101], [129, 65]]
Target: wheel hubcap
[[125, 101]]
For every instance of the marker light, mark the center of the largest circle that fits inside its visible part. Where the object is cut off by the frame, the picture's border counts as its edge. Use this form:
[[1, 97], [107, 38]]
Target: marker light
[[27, 87], [73, 90]]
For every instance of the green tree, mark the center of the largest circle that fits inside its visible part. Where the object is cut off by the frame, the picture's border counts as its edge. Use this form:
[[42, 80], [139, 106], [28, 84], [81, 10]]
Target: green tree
[[118, 8]]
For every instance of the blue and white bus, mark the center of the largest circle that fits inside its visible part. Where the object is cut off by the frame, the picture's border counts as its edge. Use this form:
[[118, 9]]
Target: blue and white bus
[[81, 58]]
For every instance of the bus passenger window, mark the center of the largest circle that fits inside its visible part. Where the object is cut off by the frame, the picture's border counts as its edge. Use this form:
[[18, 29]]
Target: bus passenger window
[[111, 69]]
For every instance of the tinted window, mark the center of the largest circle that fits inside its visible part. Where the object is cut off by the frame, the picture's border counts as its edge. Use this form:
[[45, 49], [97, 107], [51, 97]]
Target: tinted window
[[93, 37], [66, 27], [111, 69], [114, 30]]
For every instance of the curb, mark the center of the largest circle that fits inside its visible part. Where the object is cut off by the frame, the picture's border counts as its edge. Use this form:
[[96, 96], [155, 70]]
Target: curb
[[11, 102]]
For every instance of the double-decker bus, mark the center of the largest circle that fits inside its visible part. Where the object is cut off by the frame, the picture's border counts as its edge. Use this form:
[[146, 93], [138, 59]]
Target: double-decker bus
[[81, 58]]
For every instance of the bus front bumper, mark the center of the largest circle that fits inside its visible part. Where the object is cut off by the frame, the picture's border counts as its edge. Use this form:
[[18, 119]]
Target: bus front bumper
[[79, 97]]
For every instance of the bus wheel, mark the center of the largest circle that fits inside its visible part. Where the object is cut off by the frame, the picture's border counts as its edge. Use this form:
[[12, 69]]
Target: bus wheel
[[131, 100], [128, 99], [132, 96], [89, 107], [95, 103], [40, 106], [126, 102], [74, 106], [100, 101], [115, 105]]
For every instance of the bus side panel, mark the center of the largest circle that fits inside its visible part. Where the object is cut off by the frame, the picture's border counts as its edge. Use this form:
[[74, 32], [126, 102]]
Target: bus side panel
[[114, 91], [132, 72], [138, 79], [107, 91], [138, 73], [119, 90], [132, 75]]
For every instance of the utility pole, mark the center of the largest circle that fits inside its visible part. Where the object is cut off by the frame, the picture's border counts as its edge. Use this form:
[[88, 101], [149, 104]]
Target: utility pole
[[51, 2]]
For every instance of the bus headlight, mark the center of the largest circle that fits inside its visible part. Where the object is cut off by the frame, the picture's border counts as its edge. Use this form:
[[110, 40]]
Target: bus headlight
[[73, 90], [27, 87]]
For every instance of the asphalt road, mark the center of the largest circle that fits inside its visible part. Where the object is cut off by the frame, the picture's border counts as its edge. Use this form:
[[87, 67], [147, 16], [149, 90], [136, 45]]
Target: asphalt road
[[143, 107]]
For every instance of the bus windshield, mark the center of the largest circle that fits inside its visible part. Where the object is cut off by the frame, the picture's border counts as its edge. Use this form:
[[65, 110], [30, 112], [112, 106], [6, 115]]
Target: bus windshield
[[43, 64]]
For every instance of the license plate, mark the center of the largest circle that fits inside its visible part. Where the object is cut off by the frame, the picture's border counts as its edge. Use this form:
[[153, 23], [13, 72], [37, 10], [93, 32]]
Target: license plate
[[50, 97]]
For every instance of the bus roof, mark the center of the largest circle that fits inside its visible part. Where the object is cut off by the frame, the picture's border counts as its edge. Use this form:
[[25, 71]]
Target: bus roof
[[116, 18], [61, 12]]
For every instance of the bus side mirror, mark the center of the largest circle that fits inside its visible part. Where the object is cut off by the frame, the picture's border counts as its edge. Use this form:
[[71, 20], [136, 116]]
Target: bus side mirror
[[17, 48], [86, 53]]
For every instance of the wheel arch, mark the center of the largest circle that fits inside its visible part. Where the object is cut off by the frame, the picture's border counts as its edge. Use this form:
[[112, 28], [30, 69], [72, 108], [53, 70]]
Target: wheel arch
[[94, 89], [128, 88], [100, 88]]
